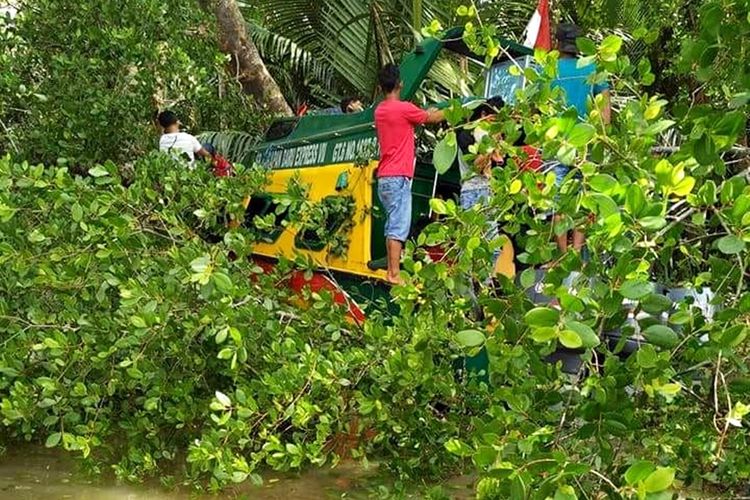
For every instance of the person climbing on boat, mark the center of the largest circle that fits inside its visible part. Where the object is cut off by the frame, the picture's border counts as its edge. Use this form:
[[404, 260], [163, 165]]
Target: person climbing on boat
[[476, 173], [180, 144], [351, 105], [395, 121], [577, 86]]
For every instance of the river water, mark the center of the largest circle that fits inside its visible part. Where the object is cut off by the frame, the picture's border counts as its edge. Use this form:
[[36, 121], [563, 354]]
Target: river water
[[36, 473]]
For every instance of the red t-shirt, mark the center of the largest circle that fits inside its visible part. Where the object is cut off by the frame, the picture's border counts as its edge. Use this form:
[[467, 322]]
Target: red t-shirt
[[533, 159], [395, 121]]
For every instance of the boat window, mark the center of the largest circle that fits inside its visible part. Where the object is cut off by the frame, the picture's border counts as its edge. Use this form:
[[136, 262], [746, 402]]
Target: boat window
[[501, 82], [334, 212], [281, 128], [265, 218]]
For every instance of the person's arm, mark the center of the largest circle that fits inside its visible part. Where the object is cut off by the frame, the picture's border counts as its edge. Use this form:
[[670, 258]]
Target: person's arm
[[419, 116], [199, 150], [606, 107], [203, 154], [435, 116]]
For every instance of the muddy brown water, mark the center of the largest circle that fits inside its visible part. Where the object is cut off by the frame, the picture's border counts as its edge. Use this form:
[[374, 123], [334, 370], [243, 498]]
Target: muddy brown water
[[36, 473]]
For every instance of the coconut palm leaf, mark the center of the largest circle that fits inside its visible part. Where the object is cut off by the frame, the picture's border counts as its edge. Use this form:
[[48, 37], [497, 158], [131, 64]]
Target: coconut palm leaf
[[351, 37], [234, 146]]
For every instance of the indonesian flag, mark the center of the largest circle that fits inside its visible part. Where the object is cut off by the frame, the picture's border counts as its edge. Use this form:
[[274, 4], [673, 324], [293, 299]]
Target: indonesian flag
[[538, 30]]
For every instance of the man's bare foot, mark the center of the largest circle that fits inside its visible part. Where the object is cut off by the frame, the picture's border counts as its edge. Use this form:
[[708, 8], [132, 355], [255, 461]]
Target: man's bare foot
[[394, 280]]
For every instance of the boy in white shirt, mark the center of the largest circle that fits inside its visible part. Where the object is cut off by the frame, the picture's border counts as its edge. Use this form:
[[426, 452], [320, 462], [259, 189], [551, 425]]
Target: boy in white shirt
[[179, 144]]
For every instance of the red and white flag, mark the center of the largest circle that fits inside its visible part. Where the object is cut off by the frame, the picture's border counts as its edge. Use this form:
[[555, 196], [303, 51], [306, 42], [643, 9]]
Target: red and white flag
[[538, 29]]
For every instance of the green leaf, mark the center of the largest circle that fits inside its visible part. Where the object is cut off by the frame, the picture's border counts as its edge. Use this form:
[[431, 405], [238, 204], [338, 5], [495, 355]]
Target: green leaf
[[544, 334], [223, 282], [658, 127], [458, 448], [570, 339], [138, 322], [53, 440], [612, 43], [98, 171], [470, 338], [684, 187], [730, 125], [201, 264], [565, 492], [528, 278], [610, 47], [639, 471], [76, 212], [221, 336], [566, 154], [225, 353], [661, 336], [445, 152], [485, 456], [646, 356], [635, 289], [659, 480], [589, 338], [517, 489], [656, 303], [438, 206], [652, 222], [473, 243], [603, 183], [542, 316], [586, 46], [36, 236], [581, 134], [731, 244], [731, 337], [635, 200], [707, 193], [223, 399], [704, 150]]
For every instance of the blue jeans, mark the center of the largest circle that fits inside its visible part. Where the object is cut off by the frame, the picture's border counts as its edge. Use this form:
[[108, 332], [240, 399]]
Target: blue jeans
[[395, 196], [481, 197], [561, 171]]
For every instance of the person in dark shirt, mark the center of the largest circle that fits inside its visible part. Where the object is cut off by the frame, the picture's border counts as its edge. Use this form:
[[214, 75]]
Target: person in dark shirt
[[578, 89], [476, 172]]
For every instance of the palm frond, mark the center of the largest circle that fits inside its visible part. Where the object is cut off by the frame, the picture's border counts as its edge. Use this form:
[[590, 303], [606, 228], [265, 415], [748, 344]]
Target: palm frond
[[233, 145], [351, 38], [280, 48]]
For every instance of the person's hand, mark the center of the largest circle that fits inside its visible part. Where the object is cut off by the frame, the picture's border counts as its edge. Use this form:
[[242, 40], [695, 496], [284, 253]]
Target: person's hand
[[483, 164], [497, 157]]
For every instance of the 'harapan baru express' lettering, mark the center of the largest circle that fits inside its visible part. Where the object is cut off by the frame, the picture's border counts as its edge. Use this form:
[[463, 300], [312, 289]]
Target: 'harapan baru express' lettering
[[323, 153]]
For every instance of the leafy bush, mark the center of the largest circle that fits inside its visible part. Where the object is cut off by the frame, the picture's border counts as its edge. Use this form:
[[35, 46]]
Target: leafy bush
[[87, 92], [129, 338]]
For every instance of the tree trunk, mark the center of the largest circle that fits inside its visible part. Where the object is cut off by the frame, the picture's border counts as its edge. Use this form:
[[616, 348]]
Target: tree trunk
[[245, 63]]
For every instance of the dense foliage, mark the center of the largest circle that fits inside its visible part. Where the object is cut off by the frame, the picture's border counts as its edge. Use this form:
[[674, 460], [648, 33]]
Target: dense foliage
[[87, 92], [136, 333]]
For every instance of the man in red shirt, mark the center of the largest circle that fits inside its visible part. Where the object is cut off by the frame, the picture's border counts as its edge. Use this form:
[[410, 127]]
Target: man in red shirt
[[395, 121]]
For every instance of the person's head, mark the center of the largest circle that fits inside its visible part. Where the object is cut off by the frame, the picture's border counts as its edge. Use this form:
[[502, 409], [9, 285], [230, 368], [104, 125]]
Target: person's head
[[168, 121], [390, 78], [351, 104], [566, 35], [488, 108]]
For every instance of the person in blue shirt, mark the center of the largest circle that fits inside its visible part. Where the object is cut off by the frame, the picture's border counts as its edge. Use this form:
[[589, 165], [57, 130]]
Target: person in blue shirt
[[578, 90]]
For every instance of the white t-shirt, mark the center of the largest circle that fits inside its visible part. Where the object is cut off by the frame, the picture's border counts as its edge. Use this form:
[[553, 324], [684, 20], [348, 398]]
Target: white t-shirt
[[180, 144]]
